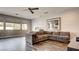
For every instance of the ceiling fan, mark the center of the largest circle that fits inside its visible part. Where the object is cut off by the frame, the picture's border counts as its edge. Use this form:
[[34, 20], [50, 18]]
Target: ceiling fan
[[31, 10]]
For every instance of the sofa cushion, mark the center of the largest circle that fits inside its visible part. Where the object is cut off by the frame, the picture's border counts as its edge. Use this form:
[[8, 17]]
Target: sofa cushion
[[41, 36], [56, 33], [65, 34]]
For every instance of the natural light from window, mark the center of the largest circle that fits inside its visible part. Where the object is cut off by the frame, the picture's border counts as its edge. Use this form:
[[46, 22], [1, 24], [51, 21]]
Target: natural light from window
[[13, 26], [24, 26], [17, 26], [1, 25]]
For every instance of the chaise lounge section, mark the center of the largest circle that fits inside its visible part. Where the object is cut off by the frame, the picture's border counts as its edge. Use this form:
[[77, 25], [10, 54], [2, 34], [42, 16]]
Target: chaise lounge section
[[60, 36]]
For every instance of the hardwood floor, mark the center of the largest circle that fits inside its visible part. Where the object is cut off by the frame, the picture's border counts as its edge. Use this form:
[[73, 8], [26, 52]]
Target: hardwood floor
[[50, 45]]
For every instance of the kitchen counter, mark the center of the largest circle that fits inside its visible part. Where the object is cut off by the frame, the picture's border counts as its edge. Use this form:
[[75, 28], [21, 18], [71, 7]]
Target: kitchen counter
[[13, 36]]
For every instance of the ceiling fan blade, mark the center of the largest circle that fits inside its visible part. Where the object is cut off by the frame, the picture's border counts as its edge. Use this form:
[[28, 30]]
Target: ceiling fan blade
[[34, 8], [30, 10]]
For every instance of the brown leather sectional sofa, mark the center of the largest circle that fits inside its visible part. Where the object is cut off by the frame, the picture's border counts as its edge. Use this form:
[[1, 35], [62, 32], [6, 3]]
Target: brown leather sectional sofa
[[57, 36], [40, 36]]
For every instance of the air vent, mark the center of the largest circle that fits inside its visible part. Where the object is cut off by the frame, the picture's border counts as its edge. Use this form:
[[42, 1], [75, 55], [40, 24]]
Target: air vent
[[46, 12]]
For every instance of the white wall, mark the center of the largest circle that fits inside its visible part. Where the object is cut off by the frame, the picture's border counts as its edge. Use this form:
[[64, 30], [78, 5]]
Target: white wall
[[41, 23], [69, 21]]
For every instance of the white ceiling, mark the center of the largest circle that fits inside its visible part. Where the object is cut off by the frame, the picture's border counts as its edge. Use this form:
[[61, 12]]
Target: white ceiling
[[25, 13]]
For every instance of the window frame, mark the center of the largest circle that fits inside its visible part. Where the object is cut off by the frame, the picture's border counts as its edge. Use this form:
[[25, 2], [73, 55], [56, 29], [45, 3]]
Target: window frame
[[2, 26], [23, 27], [13, 26]]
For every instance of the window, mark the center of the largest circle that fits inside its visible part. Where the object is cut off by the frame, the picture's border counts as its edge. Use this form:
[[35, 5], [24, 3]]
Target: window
[[1, 25], [17, 26], [13, 26], [9, 26], [24, 26]]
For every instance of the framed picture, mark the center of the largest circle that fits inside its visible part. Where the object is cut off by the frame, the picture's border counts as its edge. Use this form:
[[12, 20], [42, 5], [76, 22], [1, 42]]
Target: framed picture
[[54, 24]]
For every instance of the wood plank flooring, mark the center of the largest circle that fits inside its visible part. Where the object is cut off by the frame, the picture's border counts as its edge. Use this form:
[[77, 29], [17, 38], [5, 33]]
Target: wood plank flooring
[[50, 45]]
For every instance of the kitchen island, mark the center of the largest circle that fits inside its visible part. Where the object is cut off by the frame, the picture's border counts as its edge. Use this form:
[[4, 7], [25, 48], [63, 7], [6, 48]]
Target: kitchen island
[[12, 43]]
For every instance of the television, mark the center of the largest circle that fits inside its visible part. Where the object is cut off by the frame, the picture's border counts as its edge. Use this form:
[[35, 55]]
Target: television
[[77, 39]]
